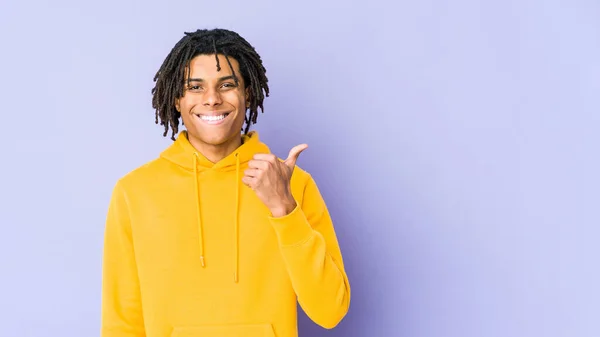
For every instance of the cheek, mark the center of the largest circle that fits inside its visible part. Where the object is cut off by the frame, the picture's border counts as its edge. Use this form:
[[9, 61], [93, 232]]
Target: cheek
[[184, 109], [235, 99], [185, 104]]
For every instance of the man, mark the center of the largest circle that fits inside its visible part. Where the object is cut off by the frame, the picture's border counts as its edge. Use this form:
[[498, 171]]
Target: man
[[217, 236]]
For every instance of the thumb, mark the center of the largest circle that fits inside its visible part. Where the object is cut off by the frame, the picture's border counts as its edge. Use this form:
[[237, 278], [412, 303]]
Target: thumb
[[293, 156]]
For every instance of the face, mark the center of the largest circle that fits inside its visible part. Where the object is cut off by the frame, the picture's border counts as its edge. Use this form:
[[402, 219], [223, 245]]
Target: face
[[213, 107]]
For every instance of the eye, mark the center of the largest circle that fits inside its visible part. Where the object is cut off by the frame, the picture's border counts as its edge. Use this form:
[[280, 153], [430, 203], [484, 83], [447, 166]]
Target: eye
[[194, 87], [228, 85]]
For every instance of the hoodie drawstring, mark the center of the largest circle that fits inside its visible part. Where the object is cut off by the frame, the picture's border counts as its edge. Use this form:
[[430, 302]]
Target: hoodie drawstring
[[236, 223], [199, 219], [236, 248]]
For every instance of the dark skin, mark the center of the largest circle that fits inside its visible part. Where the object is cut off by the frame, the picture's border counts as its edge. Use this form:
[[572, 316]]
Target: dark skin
[[270, 179], [214, 95], [211, 92]]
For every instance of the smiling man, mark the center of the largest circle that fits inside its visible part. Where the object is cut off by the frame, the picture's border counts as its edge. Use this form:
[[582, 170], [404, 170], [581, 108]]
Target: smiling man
[[217, 236]]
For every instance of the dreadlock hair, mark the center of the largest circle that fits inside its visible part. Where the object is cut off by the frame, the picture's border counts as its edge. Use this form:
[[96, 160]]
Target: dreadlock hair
[[172, 74]]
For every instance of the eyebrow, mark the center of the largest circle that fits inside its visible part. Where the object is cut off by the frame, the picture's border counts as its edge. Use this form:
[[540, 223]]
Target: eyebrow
[[224, 78]]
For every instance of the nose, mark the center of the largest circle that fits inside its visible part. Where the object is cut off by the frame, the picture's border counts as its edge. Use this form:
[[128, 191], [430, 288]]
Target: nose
[[212, 97]]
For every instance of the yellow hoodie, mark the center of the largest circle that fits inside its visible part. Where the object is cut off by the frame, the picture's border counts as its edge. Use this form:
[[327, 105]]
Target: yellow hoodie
[[191, 251]]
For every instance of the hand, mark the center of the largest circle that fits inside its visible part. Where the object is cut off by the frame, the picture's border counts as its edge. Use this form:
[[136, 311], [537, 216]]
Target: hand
[[270, 179]]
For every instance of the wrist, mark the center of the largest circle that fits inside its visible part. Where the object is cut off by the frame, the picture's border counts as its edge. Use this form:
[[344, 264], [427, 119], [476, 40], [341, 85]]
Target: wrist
[[283, 208]]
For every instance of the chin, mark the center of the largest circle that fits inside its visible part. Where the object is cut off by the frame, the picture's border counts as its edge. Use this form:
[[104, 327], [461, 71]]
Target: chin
[[214, 138]]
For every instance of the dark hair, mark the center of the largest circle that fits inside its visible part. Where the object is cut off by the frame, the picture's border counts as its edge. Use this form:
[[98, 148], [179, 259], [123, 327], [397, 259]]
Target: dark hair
[[171, 75]]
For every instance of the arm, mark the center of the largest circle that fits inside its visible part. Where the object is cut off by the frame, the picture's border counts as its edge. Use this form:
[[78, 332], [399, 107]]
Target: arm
[[121, 299], [310, 249]]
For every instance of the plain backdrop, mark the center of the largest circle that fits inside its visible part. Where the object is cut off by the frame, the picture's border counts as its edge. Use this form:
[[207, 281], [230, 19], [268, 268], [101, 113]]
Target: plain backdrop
[[455, 142]]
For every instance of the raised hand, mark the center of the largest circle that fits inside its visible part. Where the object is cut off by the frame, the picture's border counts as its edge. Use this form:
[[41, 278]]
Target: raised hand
[[270, 179]]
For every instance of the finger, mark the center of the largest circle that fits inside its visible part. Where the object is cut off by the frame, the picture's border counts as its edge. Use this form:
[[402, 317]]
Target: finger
[[258, 164], [265, 157], [294, 153], [249, 181], [252, 172]]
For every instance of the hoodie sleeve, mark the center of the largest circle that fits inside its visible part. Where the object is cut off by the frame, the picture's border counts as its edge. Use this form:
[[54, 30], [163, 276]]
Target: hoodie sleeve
[[121, 299], [311, 252]]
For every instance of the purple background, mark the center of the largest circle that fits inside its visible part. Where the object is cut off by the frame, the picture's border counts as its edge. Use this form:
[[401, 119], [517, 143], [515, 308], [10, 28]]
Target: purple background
[[456, 143]]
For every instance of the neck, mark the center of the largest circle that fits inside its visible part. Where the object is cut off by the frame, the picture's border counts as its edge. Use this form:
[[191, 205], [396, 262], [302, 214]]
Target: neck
[[216, 153]]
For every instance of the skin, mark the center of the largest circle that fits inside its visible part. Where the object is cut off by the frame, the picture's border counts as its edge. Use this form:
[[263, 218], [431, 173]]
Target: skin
[[270, 179], [213, 92]]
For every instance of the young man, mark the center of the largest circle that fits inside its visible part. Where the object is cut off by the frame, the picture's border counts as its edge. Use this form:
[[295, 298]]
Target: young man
[[217, 236]]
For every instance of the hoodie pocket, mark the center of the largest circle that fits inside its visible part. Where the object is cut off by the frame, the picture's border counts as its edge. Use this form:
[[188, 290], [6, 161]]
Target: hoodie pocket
[[230, 330]]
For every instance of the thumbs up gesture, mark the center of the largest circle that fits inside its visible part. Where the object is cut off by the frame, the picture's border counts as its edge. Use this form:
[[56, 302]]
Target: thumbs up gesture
[[270, 179]]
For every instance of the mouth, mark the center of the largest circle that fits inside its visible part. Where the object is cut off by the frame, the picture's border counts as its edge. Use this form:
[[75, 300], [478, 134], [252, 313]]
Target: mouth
[[213, 119]]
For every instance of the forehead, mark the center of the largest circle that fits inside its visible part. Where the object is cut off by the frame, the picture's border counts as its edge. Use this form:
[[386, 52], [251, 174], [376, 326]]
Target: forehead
[[205, 66]]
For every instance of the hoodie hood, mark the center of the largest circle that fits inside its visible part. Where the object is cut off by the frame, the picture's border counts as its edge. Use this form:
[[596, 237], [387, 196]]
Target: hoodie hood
[[184, 155]]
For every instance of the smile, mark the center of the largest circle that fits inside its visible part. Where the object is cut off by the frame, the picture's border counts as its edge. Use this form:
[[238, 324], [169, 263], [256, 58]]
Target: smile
[[212, 119]]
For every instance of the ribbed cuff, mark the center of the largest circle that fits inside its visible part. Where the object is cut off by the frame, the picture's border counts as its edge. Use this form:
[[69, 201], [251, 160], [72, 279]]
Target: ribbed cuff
[[293, 228]]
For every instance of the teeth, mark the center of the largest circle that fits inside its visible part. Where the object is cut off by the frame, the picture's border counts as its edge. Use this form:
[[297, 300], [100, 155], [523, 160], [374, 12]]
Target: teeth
[[212, 118]]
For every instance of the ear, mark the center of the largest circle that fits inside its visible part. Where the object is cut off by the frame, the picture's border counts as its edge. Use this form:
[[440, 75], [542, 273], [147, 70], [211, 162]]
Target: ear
[[177, 105], [248, 95]]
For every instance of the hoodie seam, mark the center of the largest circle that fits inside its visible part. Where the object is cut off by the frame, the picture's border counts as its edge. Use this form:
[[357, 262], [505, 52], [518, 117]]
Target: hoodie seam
[[301, 242]]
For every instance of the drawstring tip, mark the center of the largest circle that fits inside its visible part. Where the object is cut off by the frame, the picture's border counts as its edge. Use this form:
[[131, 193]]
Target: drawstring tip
[[202, 260], [235, 277]]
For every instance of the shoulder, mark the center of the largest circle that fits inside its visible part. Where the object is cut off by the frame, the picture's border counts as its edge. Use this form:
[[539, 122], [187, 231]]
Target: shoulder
[[302, 181], [301, 175], [305, 190], [142, 175]]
